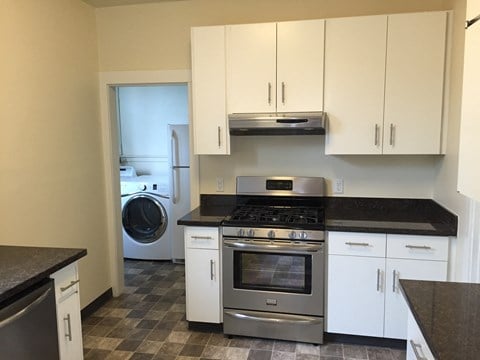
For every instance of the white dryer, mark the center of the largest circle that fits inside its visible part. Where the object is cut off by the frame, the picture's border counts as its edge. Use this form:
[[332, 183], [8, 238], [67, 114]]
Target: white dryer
[[145, 218]]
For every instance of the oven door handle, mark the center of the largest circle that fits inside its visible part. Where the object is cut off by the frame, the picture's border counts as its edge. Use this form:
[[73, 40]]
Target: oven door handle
[[238, 244]]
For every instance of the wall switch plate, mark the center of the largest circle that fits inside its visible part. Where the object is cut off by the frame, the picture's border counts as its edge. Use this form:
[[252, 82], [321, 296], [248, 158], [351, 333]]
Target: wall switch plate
[[219, 184], [338, 186]]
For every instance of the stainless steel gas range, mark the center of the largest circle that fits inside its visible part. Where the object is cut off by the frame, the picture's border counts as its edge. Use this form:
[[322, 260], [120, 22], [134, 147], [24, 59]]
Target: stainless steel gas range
[[274, 259]]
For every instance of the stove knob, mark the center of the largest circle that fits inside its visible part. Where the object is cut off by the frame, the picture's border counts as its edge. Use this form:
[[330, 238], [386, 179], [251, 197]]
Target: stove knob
[[251, 233], [271, 234], [303, 235], [292, 235], [241, 232]]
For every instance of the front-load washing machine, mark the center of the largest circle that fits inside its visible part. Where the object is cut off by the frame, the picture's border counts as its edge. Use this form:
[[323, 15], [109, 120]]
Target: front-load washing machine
[[145, 218]]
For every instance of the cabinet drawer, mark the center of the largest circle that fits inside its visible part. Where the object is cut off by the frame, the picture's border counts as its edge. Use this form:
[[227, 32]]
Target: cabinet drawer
[[417, 247], [417, 347], [356, 244], [201, 238], [66, 281]]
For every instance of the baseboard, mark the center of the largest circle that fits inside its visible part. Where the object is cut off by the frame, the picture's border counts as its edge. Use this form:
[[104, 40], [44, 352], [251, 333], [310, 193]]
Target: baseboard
[[205, 327], [365, 340], [96, 304]]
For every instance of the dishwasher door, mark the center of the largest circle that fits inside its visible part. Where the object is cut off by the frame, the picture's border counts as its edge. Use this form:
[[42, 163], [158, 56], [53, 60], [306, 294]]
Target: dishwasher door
[[28, 325]]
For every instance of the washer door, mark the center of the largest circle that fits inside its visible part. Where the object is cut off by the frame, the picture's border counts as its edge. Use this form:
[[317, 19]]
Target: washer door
[[144, 218]]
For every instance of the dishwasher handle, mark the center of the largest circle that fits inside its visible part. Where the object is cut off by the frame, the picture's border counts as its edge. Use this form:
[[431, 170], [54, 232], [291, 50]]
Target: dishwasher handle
[[27, 304]]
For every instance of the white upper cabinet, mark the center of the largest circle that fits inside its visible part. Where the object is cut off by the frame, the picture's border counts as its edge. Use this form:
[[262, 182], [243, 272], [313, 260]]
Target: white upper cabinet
[[251, 73], [354, 84], [469, 171], [300, 58], [275, 67], [384, 83], [210, 128], [414, 83]]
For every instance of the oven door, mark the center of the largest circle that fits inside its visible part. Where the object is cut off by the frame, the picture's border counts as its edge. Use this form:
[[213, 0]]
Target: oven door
[[275, 276]]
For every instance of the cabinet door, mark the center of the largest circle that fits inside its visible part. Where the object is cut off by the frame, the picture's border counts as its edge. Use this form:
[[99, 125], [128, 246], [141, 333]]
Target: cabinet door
[[70, 328], [355, 299], [202, 279], [300, 57], [251, 72], [396, 308], [414, 83], [468, 169], [210, 130], [354, 84], [415, 338]]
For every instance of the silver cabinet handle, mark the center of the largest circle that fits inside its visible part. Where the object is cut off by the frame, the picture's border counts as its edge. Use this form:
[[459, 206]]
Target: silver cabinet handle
[[219, 137], [356, 244], [68, 334], [394, 286], [283, 92], [202, 237], [72, 283], [376, 134], [212, 266], [423, 247], [414, 348], [269, 93], [378, 279], [392, 132]]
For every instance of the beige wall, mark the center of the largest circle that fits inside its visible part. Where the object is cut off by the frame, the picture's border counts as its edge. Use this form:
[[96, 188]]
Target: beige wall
[[157, 36], [51, 182], [445, 190]]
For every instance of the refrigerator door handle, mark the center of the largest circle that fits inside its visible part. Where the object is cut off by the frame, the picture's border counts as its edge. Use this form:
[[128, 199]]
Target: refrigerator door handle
[[174, 148]]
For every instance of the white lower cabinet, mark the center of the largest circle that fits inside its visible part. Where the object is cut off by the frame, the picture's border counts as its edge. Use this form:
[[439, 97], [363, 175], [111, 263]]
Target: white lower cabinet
[[363, 294], [417, 347], [202, 274], [69, 322], [354, 295]]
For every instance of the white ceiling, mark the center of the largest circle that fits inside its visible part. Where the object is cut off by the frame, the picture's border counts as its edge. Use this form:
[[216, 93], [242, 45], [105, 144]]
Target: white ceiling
[[105, 3]]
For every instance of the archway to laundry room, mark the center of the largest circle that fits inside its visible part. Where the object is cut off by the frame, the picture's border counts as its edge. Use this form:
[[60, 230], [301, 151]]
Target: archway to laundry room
[[146, 132]]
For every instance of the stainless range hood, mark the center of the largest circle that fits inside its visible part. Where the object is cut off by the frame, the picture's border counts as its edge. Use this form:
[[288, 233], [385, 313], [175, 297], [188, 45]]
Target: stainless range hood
[[300, 123]]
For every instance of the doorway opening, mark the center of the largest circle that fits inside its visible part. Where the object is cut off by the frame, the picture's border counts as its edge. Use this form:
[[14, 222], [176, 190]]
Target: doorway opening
[[140, 111]]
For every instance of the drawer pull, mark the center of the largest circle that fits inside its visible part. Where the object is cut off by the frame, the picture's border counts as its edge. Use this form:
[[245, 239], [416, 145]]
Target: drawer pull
[[356, 244], [202, 237], [423, 247], [417, 354], [72, 283]]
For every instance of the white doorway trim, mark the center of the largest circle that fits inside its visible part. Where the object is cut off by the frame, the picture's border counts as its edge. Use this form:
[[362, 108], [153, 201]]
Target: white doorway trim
[[109, 81]]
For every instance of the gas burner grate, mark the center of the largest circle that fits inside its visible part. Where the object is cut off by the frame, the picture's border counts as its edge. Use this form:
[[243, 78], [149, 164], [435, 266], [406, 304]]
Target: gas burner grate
[[277, 215]]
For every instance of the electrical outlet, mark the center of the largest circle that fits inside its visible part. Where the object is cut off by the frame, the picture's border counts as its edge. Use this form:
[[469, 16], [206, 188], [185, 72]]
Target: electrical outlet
[[338, 186], [219, 184]]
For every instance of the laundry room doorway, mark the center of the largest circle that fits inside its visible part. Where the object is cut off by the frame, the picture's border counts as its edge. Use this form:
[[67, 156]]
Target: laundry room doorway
[[154, 140], [145, 116]]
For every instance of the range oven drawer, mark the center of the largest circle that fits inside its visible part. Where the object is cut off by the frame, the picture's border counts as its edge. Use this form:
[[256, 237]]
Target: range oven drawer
[[274, 326]]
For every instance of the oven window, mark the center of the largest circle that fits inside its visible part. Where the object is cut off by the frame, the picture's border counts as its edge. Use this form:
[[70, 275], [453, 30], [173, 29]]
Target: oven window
[[273, 272]]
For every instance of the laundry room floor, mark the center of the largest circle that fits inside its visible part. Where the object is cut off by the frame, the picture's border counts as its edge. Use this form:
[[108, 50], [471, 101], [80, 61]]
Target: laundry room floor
[[148, 322]]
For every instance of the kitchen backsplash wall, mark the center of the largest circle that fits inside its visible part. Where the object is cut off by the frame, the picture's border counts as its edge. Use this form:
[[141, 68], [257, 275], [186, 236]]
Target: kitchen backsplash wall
[[376, 176]]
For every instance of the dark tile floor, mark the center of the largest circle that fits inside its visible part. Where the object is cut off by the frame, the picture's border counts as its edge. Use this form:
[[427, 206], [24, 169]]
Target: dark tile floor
[[148, 322]]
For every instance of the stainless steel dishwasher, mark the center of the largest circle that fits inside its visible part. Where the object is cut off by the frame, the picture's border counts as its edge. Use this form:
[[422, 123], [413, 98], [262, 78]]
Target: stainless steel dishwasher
[[28, 325]]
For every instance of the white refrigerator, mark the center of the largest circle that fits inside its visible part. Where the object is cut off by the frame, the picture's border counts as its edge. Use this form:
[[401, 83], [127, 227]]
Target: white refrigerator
[[179, 163]]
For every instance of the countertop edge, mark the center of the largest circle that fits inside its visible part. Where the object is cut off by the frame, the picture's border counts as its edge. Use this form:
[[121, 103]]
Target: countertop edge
[[417, 319], [42, 275]]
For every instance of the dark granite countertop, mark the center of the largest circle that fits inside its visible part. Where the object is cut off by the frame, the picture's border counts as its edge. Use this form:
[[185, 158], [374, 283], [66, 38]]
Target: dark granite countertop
[[448, 315], [374, 215], [23, 266]]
